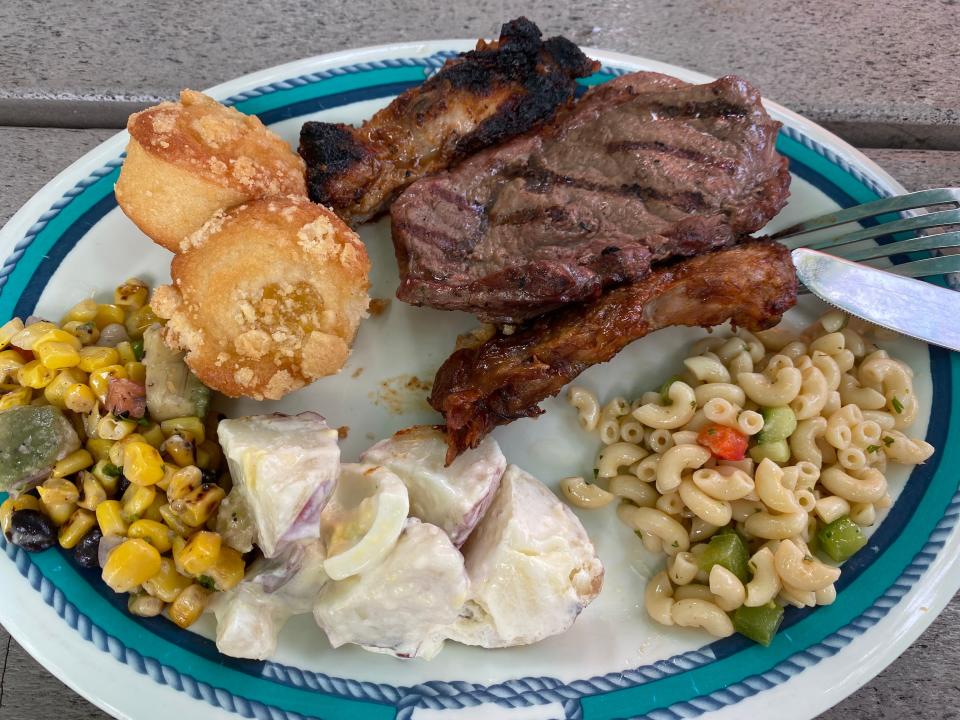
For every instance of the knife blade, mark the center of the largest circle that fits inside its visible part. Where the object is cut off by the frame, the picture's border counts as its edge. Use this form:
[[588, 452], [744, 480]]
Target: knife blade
[[910, 307]]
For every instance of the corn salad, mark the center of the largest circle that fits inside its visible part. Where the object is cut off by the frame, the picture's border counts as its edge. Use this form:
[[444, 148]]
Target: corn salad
[[139, 497]]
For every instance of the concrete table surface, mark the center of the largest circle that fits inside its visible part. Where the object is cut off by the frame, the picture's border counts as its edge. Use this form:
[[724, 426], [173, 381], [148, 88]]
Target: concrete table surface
[[882, 75]]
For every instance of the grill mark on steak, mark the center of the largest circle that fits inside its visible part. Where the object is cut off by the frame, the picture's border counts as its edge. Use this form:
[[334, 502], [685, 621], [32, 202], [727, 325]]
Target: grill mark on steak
[[684, 153], [644, 163], [477, 99], [504, 378]]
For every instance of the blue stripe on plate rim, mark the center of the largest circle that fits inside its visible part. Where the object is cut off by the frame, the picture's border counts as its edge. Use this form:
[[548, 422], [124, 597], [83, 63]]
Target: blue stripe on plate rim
[[525, 691]]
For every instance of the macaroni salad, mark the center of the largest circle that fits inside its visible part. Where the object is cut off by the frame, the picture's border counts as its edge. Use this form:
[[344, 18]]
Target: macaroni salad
[[754, 469]]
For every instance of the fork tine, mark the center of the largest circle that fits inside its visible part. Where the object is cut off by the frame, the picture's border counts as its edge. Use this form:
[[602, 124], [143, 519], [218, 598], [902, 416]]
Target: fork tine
[[925, 242], [898, 203], [928, 267], [917, 222]]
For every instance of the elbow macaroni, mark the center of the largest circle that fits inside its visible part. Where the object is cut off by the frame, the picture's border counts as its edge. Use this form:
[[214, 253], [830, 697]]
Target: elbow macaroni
[[851, 403]]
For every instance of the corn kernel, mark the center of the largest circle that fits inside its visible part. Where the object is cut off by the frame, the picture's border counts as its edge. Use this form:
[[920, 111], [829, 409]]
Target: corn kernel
[[110, 518], [190, 427], [83, 311], [57, 355], [73, 531], [131, 564], [15, 398], [55, 391], [57, 490], [9, 330], [142, 464], [96, 358], [107, 474], [167, 583], [10, 362], [136, 371], [174, 522], [100, 380], [99, 448], [40, 332], [109, 315], [139, 320], [58, 513], [116, 452], [209, 455], [136, 499], [155, 533], [228, 571], [199, 554], [35, 375], [184, 482], [125, 351], [11, 505], [109, 428], [179, 449], [153, 434], [79, 398], [74, 462], [93, 492], [143, 605], [188, 606], [200, 505], [85, 332], [168, 471], [133, 293], [153, 512]]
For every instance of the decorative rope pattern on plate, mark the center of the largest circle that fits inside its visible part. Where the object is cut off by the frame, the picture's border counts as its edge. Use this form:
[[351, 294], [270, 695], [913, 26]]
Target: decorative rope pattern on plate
[[451, 695], [21, 247]]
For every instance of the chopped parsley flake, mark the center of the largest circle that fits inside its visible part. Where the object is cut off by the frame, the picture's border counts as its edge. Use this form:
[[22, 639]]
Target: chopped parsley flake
[[111, 470], [872, 448], [897, 405], [205, 581], [888, 441]]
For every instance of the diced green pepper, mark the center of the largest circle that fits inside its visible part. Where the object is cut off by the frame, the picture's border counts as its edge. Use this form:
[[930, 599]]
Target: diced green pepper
[[759, 624], [841, 538], [665, 390], [778, 424], [778, 451], [727, 549], [137, 346]]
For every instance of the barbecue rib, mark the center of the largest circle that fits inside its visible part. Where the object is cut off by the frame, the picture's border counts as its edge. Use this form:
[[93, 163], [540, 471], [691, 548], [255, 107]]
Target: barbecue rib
[[477, 99], [643, 168], [503, 379]]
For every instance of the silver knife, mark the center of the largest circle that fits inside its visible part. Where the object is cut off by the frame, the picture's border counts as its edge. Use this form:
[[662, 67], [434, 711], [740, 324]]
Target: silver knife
[[910, 307]]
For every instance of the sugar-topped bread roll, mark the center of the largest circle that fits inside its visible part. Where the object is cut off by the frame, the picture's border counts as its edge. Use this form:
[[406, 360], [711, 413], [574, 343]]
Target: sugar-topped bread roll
[[266, 297], [186, 160]]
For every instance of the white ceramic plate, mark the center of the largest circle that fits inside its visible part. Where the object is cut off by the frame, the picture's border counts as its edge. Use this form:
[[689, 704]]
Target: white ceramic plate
[[71, 240]]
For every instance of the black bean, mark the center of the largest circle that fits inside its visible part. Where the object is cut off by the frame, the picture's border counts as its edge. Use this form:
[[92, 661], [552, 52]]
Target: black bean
[[208, 477], [122, 485], [88, 548], [32, 530]]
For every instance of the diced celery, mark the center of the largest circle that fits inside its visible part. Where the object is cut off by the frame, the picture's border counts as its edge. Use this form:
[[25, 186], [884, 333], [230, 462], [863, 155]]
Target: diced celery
[[32, 439], [759, 624], [727, 549], [841, 539], [778, 451], [778, 424]]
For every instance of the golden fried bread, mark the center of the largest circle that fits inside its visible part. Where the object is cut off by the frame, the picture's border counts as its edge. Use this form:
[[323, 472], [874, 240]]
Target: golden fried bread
[[266, 297], [187, 160]]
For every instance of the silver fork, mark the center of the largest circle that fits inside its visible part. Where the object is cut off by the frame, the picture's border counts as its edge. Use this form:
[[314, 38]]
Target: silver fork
[[794, 237]]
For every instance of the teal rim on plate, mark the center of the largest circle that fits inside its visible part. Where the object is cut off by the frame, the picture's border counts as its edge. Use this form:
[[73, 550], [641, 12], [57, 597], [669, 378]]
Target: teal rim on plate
[[717, 675]]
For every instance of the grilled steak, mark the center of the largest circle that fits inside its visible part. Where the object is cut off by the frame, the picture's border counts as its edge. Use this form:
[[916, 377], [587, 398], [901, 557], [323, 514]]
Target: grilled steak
[[505, 377], [480, 98], [642, 169]]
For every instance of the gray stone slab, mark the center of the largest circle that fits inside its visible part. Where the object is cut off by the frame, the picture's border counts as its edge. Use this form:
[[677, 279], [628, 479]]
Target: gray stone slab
[[920, 685], [870, 64]]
